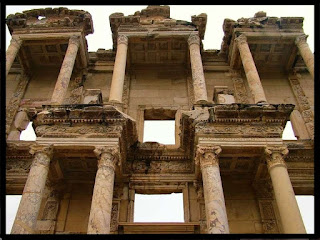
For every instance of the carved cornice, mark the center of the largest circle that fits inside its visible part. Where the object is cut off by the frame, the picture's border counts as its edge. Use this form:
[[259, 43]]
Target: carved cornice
[[108, 157], [57, 18], [207, 156], [275, 156]]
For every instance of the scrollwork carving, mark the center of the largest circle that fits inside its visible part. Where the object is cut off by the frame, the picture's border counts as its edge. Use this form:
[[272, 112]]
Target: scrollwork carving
[[275, 156], [122, 39], [207, 155], [107, 156], [194, 39]]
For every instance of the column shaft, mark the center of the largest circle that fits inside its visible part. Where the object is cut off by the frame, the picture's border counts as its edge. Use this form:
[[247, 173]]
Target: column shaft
[[63, 80], [306, 53], [101, 206], [199, 83], [12, 52], [119, 70], [285, 197], [217, 221], [250, 70], [26, 218]]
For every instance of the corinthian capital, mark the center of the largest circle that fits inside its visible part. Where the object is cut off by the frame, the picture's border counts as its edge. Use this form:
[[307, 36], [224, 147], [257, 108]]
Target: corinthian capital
[[242, 39], [193, 39], [107, 156], [42, 154], [74, 39], [275, 156], [122, 39], [45, 149], [16, 41], [302, 39], [207, 155]]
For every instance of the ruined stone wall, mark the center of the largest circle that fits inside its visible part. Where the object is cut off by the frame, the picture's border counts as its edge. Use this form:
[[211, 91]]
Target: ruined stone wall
[[41, 85], [99, 80], [12, 82], [158, 87]]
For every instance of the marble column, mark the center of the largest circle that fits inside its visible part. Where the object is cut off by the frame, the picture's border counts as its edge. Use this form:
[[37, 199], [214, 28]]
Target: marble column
[[119, 70], [26, 218], [65, 73], [305, 52], [101, 205], [199, 83], [216, 215], [250, 70], [12, 52], [287, 204]]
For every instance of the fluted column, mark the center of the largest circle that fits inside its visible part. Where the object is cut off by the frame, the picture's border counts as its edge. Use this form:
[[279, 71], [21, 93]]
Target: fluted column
[[26, 218], [198, 80], [12, 52], [216, 215], [250, 70], [65, 73], [119, 70], [306, 53], [287, 204], [101, 205]]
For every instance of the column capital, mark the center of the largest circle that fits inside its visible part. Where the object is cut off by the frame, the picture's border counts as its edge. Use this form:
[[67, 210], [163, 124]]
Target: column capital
[[45, 149], [241, 39], [194, 39], [122, 39], [275, 156], [207, 155], [107, 156], [74, 39], [302, 39], [16, 41]]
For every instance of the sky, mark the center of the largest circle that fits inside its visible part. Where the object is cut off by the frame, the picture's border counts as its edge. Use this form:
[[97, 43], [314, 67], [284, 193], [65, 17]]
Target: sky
[[101, 38]]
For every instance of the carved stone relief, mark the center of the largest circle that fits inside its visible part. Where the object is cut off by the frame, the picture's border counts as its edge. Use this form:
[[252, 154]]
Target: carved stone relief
[[303, 103], [13, 106]]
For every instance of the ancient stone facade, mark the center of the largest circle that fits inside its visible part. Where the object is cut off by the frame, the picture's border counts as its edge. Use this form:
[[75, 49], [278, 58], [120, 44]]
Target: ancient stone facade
[[230, 106]]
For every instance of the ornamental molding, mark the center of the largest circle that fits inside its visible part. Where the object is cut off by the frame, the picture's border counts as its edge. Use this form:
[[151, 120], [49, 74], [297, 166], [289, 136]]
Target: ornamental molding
[[46, 19]]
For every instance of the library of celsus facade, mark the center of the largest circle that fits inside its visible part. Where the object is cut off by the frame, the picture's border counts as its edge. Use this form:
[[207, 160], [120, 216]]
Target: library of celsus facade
[[88, 109]]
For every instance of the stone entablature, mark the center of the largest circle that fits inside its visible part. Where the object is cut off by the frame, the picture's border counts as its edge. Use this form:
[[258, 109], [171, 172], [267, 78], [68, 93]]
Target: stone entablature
[[61, 19], [96, 145]]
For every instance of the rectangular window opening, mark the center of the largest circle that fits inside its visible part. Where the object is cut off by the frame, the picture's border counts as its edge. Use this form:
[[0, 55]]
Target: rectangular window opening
[[161, 131], [158, 208]]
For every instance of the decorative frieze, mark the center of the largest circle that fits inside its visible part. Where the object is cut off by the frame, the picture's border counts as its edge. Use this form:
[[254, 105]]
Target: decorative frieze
[[240, 91], [303, 103], [13, 106]]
